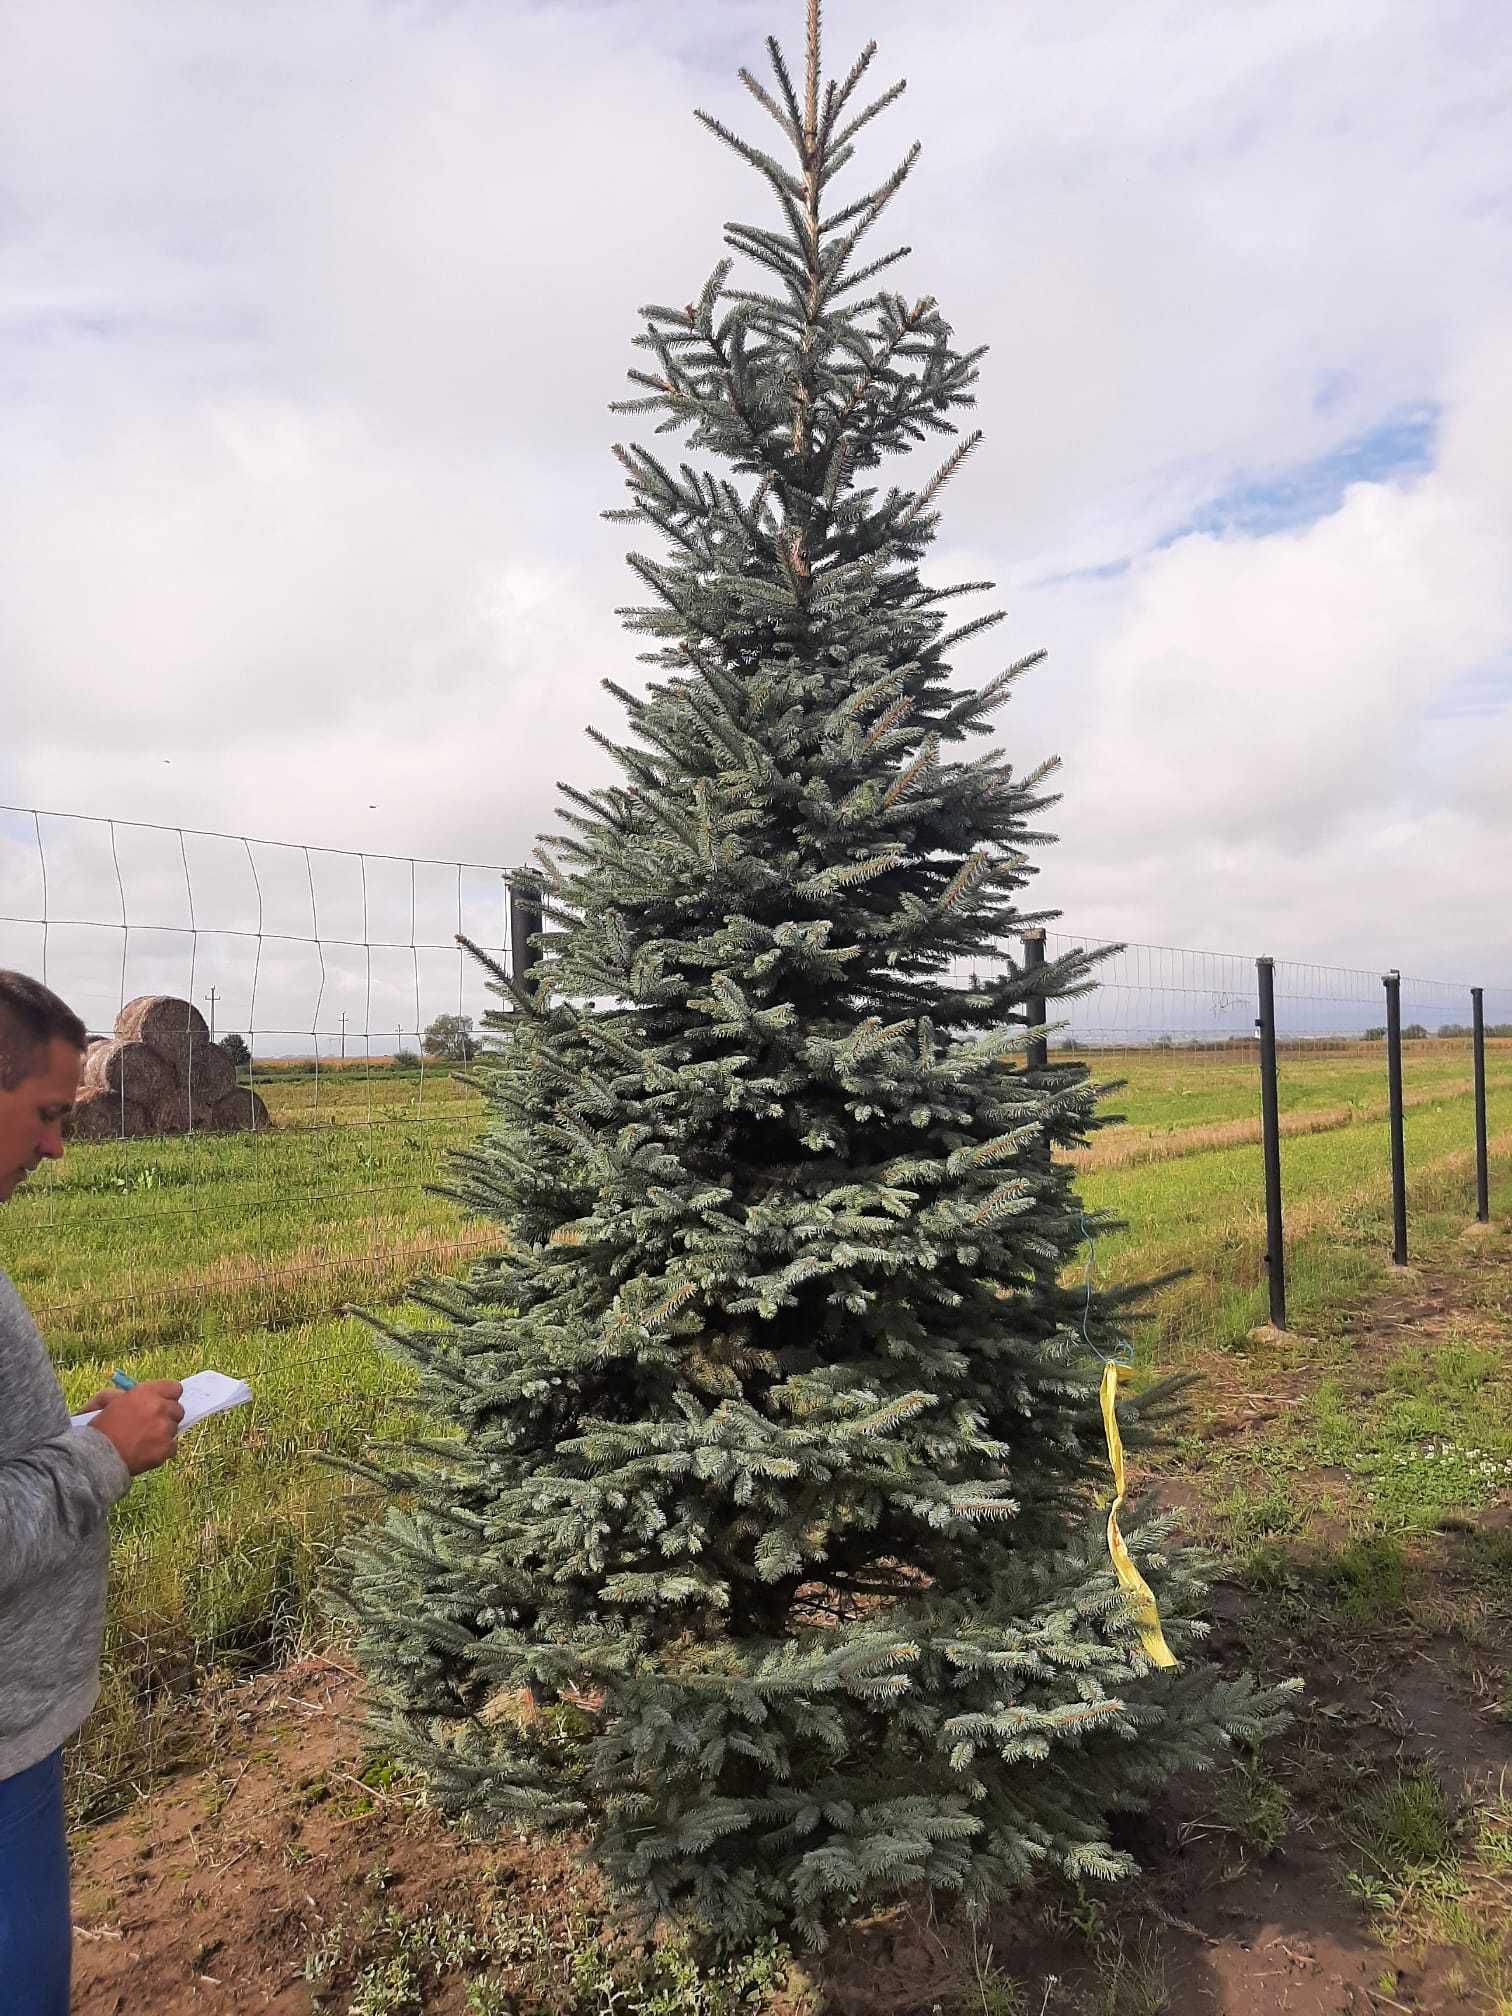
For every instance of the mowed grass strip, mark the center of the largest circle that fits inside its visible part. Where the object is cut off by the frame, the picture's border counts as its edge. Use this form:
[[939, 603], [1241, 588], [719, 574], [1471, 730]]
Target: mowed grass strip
[[1170, 1089], [1123, 1147], [1204, 1215], [129, 1246]]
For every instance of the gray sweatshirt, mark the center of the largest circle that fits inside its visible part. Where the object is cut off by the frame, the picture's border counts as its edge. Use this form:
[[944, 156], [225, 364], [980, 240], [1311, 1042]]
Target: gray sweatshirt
[[56, 1485]]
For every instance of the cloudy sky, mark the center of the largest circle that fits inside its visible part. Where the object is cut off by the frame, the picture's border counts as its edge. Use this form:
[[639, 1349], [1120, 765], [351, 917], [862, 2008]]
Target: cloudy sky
[[309, 321]]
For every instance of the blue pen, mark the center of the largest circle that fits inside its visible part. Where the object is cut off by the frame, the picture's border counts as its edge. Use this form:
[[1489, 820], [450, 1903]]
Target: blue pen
[[120, 1379]]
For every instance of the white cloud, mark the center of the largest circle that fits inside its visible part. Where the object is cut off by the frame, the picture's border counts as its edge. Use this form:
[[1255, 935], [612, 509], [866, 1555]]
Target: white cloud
[[311, 317], [1263, 710]]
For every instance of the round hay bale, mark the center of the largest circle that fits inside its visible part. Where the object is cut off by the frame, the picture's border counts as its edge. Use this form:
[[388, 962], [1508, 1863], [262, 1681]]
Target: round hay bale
[[184, 1055], [164, 1023], [177, 1113], [131, 1070], [90, 1118], [206, 1074], [239, 1111], [105, 1116]]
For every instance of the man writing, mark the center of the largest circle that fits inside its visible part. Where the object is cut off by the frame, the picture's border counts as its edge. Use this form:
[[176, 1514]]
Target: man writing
[[57, 1483]]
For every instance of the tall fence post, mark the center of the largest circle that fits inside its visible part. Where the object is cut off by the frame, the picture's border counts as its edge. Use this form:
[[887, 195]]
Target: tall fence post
[[1270, 1132], [524, 924], [1392, 982], [1037, 1052], [1478, 1043]]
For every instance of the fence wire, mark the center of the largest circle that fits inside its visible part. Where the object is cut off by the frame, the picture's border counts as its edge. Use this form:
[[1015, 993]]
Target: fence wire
[[246, 1251], [242, 1251]]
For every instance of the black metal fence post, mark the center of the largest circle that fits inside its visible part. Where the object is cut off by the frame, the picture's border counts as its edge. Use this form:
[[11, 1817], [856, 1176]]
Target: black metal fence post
[[524, 924], [1478, 1038], [1037, 1053], [1392, 982], [1270, 1131]]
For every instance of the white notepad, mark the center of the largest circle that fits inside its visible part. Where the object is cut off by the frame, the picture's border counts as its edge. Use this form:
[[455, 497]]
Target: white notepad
[[204, 1394]]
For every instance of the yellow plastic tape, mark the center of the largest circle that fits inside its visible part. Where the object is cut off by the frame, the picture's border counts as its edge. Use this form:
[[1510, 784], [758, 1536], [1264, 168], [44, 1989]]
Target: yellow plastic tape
[[1145, 1614]]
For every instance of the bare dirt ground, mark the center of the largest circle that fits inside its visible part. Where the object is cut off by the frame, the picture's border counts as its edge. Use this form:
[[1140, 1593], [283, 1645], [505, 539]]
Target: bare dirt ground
[[1363, 1863]]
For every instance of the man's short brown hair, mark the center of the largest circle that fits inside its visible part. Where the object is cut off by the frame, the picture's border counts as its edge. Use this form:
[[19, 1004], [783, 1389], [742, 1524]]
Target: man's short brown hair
[[31, 1016]]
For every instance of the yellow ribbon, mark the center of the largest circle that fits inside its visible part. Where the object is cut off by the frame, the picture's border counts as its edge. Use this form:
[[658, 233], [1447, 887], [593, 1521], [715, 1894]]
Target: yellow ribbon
[[1142, 1608]]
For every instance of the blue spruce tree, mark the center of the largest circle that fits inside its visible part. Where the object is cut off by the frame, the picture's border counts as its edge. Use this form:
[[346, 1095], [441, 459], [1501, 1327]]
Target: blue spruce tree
[[759, 1537]]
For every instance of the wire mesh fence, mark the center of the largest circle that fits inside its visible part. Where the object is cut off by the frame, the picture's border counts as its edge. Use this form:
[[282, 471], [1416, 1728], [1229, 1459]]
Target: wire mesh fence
[[246, 1250], [1180, 1035], [184, 1246]]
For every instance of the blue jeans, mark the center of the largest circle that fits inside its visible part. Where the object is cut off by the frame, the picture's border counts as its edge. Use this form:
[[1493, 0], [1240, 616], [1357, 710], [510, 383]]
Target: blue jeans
[[36, 1924]]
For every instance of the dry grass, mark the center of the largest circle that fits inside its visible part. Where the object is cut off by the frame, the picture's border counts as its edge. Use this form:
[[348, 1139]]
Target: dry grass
[[1128, 1147]]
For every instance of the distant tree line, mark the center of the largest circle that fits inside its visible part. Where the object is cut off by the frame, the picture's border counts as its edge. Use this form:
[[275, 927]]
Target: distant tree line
[[1415, 1030]]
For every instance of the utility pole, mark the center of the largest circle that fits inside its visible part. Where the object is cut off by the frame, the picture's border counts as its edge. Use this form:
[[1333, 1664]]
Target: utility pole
[[343, 1034], [212, 1014]]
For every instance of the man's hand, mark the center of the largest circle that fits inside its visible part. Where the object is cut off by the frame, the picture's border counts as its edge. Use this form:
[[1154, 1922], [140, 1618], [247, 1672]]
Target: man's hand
[[142, 1424]]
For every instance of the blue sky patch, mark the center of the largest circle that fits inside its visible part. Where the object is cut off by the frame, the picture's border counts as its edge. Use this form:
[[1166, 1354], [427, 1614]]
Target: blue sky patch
[[1477, 695], [1400, 446]]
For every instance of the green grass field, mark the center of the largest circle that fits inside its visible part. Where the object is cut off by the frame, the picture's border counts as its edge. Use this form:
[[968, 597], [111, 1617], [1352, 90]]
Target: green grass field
[[244, 1253], [239, 1252], [1191, 1196]]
